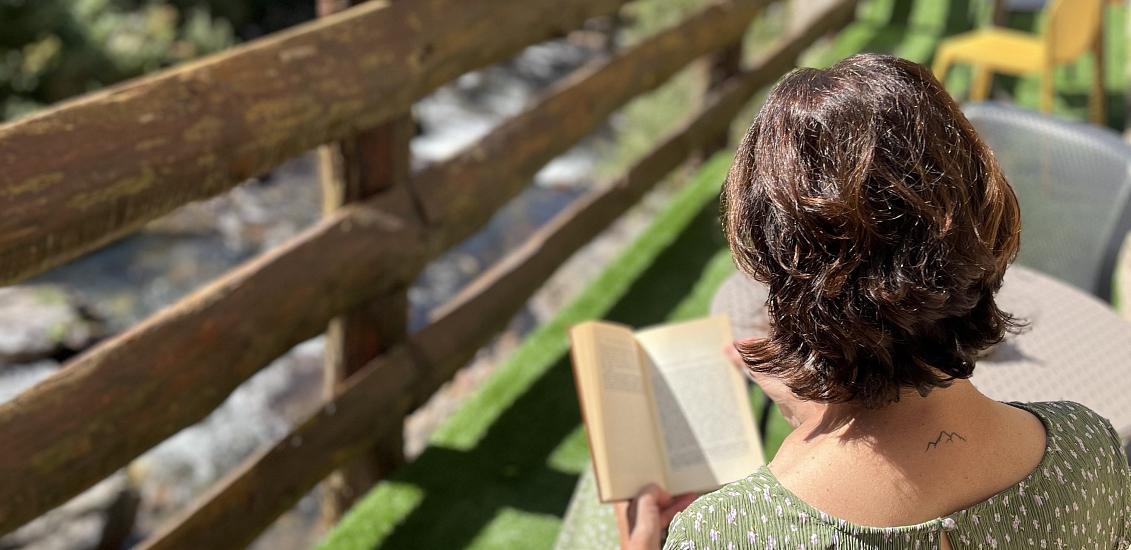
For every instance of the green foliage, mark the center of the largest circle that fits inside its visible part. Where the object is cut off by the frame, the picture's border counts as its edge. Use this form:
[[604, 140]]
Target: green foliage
[[51, 50]]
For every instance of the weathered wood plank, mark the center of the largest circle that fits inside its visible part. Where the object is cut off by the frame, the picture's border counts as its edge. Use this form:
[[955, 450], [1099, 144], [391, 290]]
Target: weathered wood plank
[[124, 396], [180, 364], [460, 195], [372, 402], [88, 171], [723, 65], [494, 297], [53, 448]]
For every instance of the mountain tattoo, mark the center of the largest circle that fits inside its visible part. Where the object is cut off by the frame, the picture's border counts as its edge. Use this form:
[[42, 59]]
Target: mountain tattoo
[[944, 437]]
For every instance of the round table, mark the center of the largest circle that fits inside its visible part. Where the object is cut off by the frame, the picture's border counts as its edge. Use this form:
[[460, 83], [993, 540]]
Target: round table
[[1074, 348]]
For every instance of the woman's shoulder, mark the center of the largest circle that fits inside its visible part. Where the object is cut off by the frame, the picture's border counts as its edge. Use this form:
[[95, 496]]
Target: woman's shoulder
[[757, 509], [1073, 420], [1061, 410], [743, 511], [1077, 434]]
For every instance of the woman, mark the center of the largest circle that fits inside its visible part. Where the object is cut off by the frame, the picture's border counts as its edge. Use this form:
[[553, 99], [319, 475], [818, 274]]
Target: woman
[[882, 226]]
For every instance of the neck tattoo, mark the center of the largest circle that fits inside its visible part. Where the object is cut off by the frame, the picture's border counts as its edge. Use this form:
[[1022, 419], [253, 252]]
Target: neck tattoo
[[944, 437]]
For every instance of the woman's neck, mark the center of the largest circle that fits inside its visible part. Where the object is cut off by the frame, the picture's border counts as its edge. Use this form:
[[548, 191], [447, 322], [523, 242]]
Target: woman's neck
[[914, 459], [912, 412]]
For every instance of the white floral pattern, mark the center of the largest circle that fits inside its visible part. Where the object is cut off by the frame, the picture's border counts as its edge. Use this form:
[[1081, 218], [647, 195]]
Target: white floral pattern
[[1078, 497]]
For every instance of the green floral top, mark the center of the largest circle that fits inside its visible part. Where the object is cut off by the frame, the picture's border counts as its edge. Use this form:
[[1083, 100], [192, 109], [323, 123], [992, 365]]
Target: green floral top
[[1078, 497]]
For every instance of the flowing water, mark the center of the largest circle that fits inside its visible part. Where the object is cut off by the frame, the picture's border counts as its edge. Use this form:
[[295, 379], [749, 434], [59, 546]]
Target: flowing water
[[127, 281]]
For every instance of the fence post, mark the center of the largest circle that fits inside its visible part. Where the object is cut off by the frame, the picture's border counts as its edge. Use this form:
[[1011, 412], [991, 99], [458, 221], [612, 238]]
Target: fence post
[[723, 65], [801, 13], [369, 163]]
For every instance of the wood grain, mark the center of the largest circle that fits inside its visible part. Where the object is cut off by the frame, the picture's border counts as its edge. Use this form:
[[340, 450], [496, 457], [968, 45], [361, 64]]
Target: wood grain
[[90, 170], [112, 403], [723, 65], [370, 405], [460, 195], [142, 386]]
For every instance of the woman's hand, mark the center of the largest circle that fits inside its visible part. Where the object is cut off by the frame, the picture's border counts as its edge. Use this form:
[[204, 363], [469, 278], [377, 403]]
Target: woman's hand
[[642, 519]]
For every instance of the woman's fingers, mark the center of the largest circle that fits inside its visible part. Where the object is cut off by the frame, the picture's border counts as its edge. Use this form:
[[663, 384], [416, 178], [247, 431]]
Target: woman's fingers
[[623, 526], [675, 506], [638, 520], [651, 500], [655, 508], [643, 511]]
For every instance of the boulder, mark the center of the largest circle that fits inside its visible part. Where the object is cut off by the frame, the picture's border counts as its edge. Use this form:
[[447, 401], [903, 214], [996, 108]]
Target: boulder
[[102, 518], [43, 322]]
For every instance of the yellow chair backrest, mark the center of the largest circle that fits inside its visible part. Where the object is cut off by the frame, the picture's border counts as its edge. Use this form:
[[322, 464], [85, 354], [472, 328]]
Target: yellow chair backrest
[[1072, 26]]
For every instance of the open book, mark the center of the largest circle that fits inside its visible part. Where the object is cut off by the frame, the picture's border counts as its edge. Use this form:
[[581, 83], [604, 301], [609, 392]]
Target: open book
[[663, 405]]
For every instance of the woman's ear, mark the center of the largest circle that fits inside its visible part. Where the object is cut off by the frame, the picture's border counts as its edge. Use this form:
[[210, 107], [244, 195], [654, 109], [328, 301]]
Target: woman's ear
[[735, 358]]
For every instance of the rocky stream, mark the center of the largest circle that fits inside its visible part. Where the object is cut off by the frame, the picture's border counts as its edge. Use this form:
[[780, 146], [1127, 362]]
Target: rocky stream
[[68, 310]]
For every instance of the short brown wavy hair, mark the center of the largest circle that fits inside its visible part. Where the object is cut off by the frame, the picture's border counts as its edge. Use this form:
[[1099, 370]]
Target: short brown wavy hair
[[883, 226]]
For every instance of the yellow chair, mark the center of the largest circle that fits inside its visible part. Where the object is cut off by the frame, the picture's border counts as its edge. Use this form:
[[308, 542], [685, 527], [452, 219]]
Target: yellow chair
[[1073, 27]]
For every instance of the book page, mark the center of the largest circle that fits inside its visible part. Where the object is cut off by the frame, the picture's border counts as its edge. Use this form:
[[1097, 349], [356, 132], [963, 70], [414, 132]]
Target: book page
[[707, 426], [617, 406]]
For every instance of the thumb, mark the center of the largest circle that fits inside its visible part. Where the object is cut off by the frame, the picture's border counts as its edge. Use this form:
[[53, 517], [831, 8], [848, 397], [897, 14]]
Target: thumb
[[648, 505], [675, 506]]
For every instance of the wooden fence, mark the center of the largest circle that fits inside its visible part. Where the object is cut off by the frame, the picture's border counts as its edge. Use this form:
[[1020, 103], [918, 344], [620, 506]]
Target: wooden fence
[[89, 171]]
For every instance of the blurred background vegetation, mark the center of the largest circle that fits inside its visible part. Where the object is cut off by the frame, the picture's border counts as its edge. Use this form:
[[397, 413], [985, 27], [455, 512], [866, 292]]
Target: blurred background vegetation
[[54, 49]]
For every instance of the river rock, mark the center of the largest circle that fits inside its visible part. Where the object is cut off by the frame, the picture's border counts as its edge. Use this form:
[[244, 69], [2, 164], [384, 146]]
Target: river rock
[[100, 518], [41, 322]]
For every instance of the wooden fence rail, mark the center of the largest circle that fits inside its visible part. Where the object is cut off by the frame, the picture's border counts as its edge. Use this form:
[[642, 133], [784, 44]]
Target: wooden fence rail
[[192, 355], [183, 362], [502, 162], [368, 409], [71, 183]]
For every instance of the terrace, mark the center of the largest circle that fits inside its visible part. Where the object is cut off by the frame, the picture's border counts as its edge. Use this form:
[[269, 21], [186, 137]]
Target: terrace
[[501, 471]]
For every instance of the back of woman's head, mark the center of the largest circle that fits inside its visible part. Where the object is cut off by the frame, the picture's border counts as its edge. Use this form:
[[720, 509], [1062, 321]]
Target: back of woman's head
[[883, 226]]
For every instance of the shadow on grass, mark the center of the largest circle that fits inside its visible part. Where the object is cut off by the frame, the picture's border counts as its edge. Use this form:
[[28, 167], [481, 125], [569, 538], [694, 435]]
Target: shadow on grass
[[958, 15], [886, 39], [465, 490]]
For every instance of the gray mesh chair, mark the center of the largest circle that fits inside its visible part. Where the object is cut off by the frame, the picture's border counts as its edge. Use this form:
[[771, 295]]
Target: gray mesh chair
[[1073, 181]]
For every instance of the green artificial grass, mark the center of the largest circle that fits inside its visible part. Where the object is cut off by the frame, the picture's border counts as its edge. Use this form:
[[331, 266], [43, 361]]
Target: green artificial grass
[[913, 30], [1072, 82], [499, 473]]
